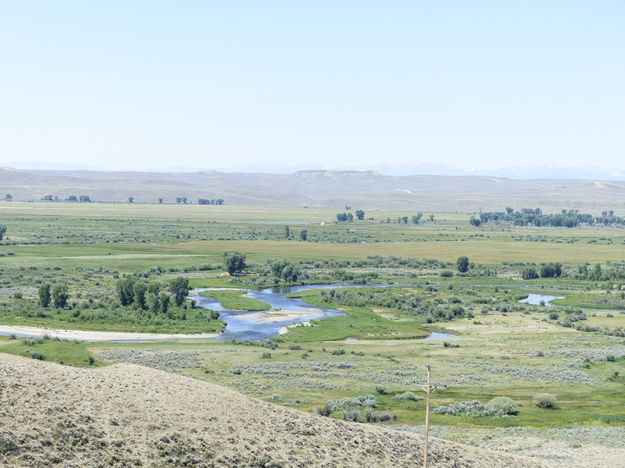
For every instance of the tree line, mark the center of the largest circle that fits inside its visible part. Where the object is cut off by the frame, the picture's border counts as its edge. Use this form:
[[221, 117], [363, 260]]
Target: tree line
[[535, 217], [131, 292], [131, 199]]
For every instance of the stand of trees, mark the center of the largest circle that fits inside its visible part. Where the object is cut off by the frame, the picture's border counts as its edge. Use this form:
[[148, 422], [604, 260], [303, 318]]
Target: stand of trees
[[546, 270], [206, 201], [71, 198], [535, 217], [153, 296], [285, 271], [414, 219], [349, 217]]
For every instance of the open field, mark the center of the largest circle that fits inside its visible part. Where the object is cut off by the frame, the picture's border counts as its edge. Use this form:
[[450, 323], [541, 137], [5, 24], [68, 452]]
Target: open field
[[130, 237], [573, 350]]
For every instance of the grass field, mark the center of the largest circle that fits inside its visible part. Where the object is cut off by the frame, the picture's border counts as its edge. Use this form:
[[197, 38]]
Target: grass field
[[70, 353], [236, 300], [130, 237]]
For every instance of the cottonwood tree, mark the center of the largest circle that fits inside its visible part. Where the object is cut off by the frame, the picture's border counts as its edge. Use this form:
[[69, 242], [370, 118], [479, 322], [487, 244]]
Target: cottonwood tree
[[44, 295], [139, 290], [529, 273], [416, 218], [360, 214], [179, 287], [3, 230], [475, 221], [125, 290], [163, 303], [60, 296], [303, 235], [234, 262], [463, 264]]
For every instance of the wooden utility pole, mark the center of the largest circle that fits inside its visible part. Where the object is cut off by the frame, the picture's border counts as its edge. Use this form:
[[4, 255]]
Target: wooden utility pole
[[427, 419]]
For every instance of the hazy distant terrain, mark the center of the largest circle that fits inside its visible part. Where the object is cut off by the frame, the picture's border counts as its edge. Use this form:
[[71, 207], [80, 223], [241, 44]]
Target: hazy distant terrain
[[366, 189]]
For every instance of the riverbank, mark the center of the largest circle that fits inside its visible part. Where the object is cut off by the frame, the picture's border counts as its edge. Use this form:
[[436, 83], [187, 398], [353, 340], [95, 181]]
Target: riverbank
[[84, 335]]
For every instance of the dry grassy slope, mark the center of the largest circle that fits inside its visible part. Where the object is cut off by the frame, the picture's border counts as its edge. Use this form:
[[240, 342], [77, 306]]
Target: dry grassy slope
[[127, 415], [335, 189]]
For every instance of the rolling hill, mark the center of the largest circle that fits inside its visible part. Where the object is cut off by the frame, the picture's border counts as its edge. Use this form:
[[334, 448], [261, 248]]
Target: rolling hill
[[126, 415], [333, 189]]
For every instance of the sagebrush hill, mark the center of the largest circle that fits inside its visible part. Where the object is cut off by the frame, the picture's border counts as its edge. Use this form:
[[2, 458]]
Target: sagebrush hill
[[127, 415]]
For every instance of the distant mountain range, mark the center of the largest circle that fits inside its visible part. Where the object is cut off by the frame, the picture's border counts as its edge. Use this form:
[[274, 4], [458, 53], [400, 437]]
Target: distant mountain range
[[322, 188], [518, 172]]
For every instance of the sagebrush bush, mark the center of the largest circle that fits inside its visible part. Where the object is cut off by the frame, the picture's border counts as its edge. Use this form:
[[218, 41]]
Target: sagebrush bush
[[546, 401], [408, 396], [502, 406], [325, 410]]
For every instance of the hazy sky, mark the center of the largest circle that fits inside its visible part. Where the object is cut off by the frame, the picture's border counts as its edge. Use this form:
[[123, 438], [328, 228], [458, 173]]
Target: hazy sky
[[151, 84]]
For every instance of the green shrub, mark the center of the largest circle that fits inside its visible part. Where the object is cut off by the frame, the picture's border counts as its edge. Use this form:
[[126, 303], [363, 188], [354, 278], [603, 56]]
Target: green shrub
[[408, 396], [545, 401], [502, 406], [324, 410], [38, 356], [33, 341], [266, 355], [613, 418]]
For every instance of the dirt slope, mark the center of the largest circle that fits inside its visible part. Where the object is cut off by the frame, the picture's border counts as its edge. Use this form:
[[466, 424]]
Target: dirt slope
[[126, 415]]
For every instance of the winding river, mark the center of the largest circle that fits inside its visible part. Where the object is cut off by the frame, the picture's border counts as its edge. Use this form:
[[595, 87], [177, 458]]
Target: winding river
[[256, 326], [262, 325]]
